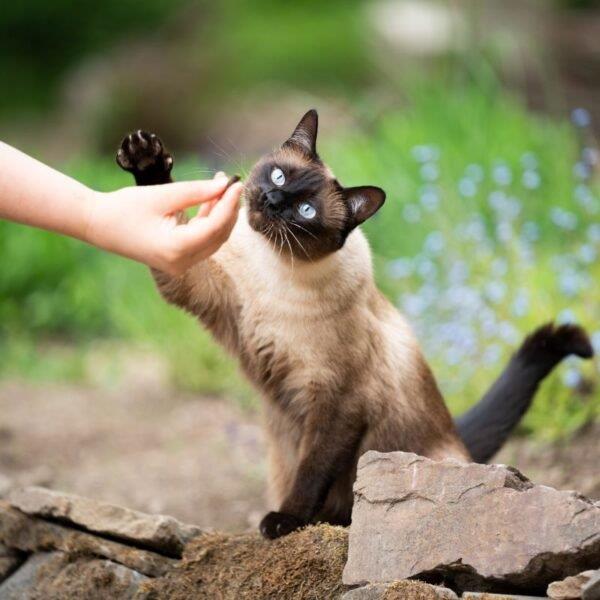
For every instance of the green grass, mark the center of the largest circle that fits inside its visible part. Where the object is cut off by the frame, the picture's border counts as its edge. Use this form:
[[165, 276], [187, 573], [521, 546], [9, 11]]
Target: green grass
[[58, 289]]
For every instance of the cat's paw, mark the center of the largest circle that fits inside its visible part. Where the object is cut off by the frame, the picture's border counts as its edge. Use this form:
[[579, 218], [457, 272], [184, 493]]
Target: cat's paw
[[142, 153], [276, 524]]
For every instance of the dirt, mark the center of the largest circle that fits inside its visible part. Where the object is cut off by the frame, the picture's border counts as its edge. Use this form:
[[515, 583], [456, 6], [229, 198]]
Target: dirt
[[410, 590], [138, 445], [305, 564], [142, 445]]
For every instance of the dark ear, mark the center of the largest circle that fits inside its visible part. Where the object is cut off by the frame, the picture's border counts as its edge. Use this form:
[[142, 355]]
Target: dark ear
[[305, 134], [363, 201]]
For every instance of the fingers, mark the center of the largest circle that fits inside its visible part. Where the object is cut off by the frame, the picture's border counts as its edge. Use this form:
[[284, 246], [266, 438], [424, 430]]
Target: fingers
[[206, 207], [171, 197], [214, 229]]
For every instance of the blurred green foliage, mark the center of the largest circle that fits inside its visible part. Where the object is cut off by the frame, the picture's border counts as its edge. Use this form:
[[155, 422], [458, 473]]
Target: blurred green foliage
[[58, 297], [40, 41], [55, 288]]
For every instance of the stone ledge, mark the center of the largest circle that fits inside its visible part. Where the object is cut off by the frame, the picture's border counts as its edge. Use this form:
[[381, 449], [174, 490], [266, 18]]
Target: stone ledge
[[160, 533]]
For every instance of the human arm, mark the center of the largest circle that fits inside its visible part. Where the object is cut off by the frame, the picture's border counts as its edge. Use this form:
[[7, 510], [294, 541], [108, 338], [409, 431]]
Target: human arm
[[136, 222]]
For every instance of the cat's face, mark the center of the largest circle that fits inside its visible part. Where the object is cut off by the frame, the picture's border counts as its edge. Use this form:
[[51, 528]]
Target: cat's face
[[295, 201]]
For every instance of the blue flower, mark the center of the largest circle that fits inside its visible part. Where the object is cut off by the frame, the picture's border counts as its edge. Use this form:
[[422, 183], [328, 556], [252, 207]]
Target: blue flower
[[430, 171], [434, 242], [467, 187], [502, 174], [475, 172], [590, 156], [581, 117], [426, 269], [499, 267], [587, 253], [582, 171], [411, 213], [531, 180], [593, 232], [495, 291], [504, 231], [571, 377], [520, 305], [566, 316], [400, 268], [508, 333], [563, 218], [492, 354], [529, 161], [475, 230], [570, 283], [429, 198], [531, 231], [596, 341], [425, 153]]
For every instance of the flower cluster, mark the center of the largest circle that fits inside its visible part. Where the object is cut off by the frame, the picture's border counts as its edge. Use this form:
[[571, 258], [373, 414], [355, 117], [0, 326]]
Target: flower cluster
[[477, 287]]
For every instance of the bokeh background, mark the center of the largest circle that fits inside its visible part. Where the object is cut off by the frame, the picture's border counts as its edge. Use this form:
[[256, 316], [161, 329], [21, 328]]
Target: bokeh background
[[480, 120]]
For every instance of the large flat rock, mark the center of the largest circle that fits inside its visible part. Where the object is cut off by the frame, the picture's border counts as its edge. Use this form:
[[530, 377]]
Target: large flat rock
[[161, 533], [477, 527]]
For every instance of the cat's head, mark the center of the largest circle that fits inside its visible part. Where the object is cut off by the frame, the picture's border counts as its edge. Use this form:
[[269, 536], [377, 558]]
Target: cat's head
[[295, 201]]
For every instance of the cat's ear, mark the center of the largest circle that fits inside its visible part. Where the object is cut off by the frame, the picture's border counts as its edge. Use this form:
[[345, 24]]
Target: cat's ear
[[305, 134], [363, 201]]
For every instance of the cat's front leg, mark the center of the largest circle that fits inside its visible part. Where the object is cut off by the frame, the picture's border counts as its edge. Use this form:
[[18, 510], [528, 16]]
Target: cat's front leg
[[206, 289], [328, 450], [143, 155]]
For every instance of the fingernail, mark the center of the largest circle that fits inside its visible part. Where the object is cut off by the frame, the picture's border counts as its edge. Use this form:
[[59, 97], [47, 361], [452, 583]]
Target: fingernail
[[219, 175], [232, 180]]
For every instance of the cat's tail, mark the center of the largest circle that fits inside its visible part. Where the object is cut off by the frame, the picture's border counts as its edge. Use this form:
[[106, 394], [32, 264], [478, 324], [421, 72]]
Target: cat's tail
[[485, 427]]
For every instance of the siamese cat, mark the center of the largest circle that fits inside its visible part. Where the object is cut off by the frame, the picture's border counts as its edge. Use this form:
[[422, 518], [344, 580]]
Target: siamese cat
[[291, 295]]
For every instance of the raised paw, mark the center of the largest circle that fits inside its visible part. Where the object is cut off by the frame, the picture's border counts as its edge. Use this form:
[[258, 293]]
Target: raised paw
[[276, 524], [143, 155]]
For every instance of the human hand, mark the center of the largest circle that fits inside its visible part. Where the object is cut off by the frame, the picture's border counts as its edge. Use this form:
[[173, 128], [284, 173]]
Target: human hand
[[141, 223]]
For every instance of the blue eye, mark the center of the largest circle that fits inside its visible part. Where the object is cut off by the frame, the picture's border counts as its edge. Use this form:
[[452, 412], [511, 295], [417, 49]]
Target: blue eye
[[277, 177], [307, 210]]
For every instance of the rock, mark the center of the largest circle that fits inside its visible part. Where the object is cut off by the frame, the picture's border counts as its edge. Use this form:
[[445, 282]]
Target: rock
[[591, 590], [488, 596], [30, 534], [56, 576], [400, 590], [9, 561], [20, 584], [156, 532], [477, 527], [570, 588]]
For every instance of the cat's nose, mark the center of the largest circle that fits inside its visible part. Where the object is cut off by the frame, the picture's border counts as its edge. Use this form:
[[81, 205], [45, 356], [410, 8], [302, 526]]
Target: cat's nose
[[273, 198]]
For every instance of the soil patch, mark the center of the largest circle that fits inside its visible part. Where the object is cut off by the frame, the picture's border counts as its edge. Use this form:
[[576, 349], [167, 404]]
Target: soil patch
[[306, 564]]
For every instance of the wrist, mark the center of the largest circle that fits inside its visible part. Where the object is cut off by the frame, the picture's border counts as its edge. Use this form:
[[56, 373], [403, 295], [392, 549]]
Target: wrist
[[91, 208]]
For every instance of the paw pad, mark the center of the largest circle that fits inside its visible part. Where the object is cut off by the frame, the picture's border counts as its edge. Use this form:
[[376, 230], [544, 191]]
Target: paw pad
[[142, 151]]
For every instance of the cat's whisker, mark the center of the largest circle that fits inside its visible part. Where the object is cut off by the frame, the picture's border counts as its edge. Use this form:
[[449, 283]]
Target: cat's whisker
[[187, 174], [287, 239], [223, 153], [304, 229], [299, 244]]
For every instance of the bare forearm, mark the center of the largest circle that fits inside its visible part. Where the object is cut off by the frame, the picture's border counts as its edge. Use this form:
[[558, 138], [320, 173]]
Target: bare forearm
[[35, 194]]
